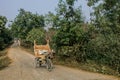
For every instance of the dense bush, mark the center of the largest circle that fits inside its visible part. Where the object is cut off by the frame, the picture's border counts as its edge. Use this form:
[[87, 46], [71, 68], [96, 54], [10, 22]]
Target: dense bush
[[104, 51], [73, 53], [5, 37], [4, 61]]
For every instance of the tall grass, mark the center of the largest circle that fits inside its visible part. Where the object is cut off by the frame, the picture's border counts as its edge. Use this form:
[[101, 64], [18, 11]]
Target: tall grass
[[4, 59]]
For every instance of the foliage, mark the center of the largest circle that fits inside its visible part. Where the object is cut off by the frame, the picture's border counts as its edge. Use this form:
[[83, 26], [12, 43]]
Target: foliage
[[52, 20], [3, 21], [106, 16], [37, 34], [70, 20], [104, 48], [5, 37], [73, 53], [4, 61], [24, 22], [98, 40], [71, 32]]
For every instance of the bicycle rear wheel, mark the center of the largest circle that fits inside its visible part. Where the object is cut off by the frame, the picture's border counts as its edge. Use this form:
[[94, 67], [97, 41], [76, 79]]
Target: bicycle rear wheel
[[49, 64]]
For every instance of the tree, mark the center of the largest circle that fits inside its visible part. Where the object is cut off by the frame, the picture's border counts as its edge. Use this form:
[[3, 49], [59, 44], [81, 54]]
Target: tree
[[106, 15], [70, 35], [37, 34], [24, 22], [106, 21], [70, 20], [52, 20], [5, 37]]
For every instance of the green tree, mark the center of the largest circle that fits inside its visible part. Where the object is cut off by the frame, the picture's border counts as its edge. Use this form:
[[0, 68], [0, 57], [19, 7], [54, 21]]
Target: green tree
[[37, 34], [52, 20], [106, 15], [71, 34], [5, 37], [70, 20], [106, 21], [24, 22]]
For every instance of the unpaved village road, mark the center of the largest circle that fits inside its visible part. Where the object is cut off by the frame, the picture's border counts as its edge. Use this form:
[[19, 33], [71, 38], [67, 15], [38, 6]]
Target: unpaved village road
[[22, 68]]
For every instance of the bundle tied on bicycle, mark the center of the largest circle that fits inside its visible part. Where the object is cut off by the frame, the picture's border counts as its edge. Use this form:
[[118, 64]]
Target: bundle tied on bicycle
[[43, 54]]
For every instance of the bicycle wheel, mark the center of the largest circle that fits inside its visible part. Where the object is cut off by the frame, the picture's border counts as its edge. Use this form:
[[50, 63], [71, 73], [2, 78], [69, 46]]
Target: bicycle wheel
[[49, 64], [36, 62]]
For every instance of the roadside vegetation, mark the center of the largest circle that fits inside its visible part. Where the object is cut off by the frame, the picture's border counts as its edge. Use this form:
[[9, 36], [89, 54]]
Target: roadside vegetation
[[4, 59], [92, 46], [5, 40]]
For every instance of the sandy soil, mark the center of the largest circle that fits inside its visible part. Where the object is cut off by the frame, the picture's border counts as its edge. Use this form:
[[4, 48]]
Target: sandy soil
[[23, 68]]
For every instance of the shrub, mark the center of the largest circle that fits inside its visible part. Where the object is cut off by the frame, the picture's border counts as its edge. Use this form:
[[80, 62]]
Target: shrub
[[4, 61]]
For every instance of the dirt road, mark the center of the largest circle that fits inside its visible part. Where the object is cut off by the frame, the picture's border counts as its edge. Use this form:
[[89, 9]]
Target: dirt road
[[22, 68]]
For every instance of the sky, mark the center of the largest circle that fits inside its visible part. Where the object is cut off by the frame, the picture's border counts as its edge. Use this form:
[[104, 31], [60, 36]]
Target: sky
[[9, 8]]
